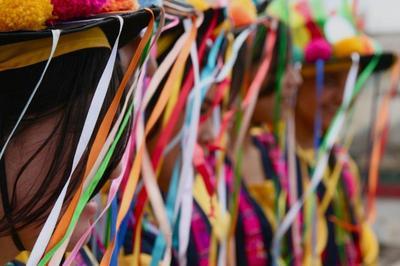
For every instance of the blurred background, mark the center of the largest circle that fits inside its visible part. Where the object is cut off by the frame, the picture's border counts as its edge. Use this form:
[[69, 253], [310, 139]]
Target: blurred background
[[382, 21]]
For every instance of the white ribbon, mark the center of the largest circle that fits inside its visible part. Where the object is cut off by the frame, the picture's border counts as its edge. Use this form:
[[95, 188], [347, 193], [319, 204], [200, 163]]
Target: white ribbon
[[163, 68], [323, 157], [185, 193], [59, 254], [56, 38], [90, 122], [185, 187]]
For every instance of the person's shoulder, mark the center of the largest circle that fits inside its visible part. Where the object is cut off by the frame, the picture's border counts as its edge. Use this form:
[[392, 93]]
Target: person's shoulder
[[20, 260]]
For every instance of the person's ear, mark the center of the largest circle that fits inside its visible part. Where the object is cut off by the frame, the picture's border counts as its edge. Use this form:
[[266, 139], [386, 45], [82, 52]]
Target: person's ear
[[126, 52], [292, 80]]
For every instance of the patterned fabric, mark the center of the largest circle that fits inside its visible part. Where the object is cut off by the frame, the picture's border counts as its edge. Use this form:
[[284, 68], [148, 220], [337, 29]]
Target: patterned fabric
[[253, 233], [339, 214]]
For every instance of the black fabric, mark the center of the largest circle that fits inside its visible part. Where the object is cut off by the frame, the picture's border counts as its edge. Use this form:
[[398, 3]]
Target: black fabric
[[148, 242], [386, 60], [133, 24], [239, 241], [268, 168], [331, 254]]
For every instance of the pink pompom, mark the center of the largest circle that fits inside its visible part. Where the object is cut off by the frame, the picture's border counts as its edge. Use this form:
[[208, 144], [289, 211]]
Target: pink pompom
[[65, 10], [317, 49]]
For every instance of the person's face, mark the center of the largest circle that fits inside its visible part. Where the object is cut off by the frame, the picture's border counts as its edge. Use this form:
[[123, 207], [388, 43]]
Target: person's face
[[329, 102], [206, 133], [20, 150], [205, 137], [264, 110], [88, 214]]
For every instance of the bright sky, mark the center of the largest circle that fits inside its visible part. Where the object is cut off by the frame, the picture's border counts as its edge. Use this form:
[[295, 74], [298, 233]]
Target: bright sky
[[382, 16]]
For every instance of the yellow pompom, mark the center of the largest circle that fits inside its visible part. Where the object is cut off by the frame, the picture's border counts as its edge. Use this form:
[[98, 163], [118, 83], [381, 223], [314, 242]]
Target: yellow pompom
[[24, 14], [242, 12], [348, 46]]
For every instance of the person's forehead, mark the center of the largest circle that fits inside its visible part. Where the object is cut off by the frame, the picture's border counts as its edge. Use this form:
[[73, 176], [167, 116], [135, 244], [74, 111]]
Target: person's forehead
[[330, 68]]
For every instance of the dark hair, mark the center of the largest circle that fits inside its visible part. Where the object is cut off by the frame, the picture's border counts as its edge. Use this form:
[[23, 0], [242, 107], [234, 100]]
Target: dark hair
[[66, 90], [251, 55]]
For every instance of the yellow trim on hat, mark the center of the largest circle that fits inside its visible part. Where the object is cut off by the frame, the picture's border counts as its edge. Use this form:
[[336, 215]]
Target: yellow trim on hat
[[22, 54]]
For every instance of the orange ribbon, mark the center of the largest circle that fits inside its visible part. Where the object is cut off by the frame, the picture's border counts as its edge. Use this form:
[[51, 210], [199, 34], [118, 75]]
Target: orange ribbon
[[379, 137], [102, 135], [159, 107]]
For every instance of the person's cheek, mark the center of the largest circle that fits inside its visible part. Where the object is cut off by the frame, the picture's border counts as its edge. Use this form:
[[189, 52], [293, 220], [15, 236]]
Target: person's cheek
[[306, 105], [167, 169], [29, 235], [206, 134], [310, 107], [169, 159], [84, 223], [116, 172], [329, 106]]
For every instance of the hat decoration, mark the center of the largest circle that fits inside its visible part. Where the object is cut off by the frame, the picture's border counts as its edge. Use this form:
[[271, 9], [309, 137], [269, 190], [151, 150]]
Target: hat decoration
[[24, 15], [242, 12], [321, 34], [318, 47], [119, 5], [16, 15], [64, 10]]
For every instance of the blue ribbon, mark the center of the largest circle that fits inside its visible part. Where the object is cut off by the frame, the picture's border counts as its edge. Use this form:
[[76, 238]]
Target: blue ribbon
[[160, 243], [320, 65]]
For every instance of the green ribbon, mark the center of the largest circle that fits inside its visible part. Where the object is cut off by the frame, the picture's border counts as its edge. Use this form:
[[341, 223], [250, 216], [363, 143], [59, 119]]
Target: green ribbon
[[90, 189]]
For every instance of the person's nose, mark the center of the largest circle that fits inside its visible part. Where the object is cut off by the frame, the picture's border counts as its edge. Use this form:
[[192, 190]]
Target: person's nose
[[117, 171], [206, 132], [291, 83]]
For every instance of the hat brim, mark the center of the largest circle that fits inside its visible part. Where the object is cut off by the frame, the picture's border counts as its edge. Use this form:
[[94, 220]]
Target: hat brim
[[386, 60], [134, 22]]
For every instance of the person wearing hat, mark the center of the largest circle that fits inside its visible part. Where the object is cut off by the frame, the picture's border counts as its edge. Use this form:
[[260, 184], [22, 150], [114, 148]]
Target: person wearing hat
[[260, 189], [148, 231], [209, 222], [52, 59], [336, 233]]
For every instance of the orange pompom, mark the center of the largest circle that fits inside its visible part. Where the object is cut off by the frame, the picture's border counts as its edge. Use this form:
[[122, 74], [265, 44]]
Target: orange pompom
[[242, 12], [120, 5], [24, 15], [348, 46]]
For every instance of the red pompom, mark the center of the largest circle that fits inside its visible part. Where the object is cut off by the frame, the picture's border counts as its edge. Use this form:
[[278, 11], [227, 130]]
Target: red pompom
[[65, 10]]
